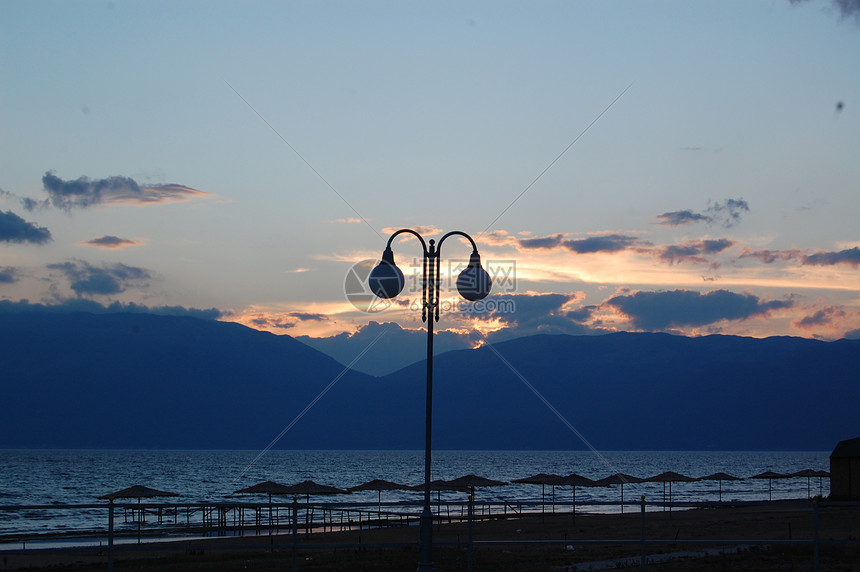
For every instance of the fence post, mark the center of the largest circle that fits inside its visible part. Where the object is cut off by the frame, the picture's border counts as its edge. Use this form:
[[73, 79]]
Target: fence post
[[295, 533], [642, 558], [815, 533]]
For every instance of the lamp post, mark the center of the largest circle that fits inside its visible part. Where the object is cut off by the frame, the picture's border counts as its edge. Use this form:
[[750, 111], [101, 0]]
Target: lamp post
[[474, 283]]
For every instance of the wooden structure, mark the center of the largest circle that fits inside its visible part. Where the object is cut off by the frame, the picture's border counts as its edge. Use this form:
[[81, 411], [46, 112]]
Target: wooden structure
[[845, 470]]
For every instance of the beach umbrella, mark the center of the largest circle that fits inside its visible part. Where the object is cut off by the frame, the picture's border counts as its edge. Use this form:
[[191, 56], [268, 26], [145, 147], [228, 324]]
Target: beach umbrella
[[134, 492], [309, 488], [379, 485], [809, 473], [266, 487], [137, 492], [720, 477], [541, 479], [619, 479], [770, 476], [669, 477], [573, 480], [471, 481]]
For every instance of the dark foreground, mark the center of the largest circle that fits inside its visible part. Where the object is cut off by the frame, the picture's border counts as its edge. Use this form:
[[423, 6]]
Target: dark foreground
[[682, 540]]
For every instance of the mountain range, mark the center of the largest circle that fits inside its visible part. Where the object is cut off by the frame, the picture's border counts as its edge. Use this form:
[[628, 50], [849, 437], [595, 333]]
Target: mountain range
[[135, 380]]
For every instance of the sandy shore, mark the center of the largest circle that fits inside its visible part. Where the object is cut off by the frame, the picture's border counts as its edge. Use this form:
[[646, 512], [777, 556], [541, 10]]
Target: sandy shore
[[773, 535]]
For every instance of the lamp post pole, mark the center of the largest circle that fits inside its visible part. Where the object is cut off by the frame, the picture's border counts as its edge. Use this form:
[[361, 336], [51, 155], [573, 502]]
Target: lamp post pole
[[474, 283]]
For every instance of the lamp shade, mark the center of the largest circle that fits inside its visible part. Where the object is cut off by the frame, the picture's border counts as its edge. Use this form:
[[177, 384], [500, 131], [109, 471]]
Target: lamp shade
[[386, 280], [474, 283]]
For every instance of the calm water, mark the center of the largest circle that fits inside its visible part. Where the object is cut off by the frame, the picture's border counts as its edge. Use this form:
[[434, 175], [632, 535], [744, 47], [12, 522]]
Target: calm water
[[78, 477]]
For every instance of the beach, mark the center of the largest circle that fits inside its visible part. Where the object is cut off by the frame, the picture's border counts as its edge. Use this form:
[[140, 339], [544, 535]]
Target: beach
[[759, 536]]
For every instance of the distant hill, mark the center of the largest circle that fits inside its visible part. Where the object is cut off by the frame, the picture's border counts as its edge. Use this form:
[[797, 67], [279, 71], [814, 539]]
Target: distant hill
[[139, 380]]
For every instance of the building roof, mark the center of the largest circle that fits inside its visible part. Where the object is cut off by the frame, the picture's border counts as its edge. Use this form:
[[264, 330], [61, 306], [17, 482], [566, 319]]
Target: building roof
[[847, 448]]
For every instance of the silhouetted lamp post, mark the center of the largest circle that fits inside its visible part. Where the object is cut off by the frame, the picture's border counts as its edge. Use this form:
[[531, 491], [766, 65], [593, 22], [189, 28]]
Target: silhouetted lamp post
[[474, 283]]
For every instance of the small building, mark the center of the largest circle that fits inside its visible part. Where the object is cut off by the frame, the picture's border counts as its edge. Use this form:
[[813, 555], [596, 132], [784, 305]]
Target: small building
[[845, 470]]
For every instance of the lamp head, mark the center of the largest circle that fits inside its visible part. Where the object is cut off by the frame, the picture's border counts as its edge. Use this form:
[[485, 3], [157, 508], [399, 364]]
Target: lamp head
[[386, 280], [474, 283]]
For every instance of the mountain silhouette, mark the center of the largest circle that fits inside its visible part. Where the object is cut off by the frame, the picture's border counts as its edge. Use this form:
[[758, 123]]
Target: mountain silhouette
[[128, 380]]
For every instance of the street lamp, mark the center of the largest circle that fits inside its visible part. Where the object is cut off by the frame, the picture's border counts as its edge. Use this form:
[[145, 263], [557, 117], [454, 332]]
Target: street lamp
[[474, 283]]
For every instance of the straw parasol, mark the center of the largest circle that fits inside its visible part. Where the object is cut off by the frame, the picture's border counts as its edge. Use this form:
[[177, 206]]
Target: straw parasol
[[541, 479], [134, 492], [573, 480], [720, 477], [809, 473], [266, 487], [619, 479], [471, 481], [379, 485], [770, 476], [669, 477], [309, 488]]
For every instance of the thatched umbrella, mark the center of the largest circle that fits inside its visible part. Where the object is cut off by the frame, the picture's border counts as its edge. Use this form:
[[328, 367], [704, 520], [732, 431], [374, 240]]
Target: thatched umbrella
[[134, 492], [720, 477], [471, 481], [669, 477], [379, 485], [619, 479], [541, 479], [268, 488], [809, 473], [309, 488], [770, 476], [573, 480]]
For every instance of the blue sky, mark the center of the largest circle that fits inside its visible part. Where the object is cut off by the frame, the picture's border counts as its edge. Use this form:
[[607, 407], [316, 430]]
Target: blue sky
[[242, 156]]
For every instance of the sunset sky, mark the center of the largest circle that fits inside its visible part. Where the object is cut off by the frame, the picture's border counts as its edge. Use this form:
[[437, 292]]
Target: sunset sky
[[687, 167]]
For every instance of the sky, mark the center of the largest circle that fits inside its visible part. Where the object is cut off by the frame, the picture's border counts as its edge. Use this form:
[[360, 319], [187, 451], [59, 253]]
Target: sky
[[684, 167]]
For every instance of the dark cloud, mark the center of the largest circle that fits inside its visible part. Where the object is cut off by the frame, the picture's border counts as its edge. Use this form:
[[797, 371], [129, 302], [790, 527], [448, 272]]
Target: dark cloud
[[679, 308], [15, 229], [85, 192], [605, 243], [83, 305], [86, 279], [771, 256], [695, 251], [590, 245], [110, 242], [725, 213], [7, 275], [678, 218], [850, 256], [847, 8], [822, 317], [288, 320], [545, 242]]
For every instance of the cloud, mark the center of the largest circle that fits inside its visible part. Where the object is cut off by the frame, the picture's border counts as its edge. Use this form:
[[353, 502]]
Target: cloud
[[426, 231], [771, 256], [850, 256], [823, 317], [553, 241], [85, 192], [531, 313], [678, 218], [15, 229], [679, 308], [694, 251], [846, 8], [606, 243], [83, 305], [86, 279], [7, 275], [725, 213], [110, 242], [286, 320]]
